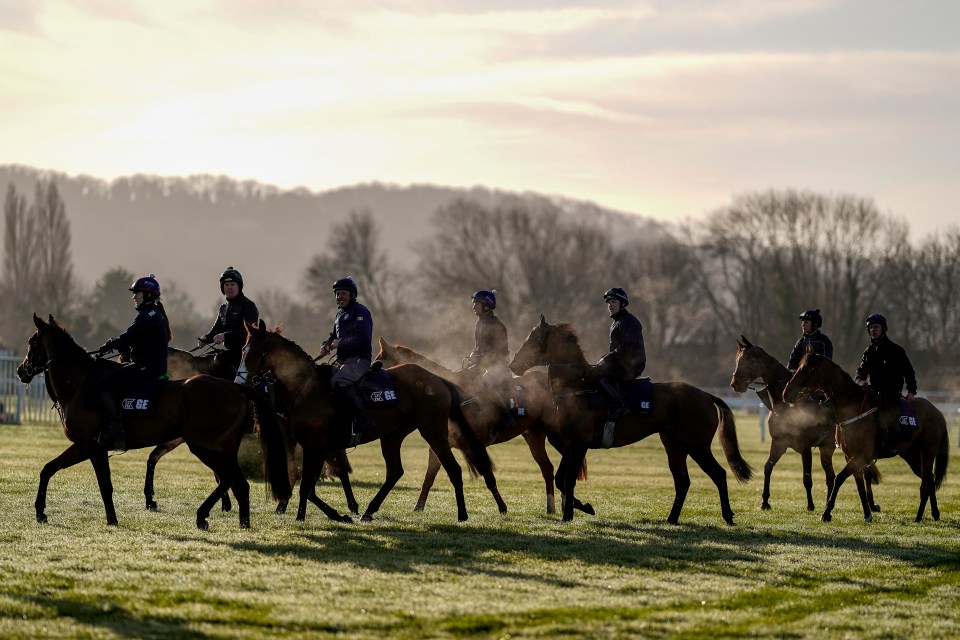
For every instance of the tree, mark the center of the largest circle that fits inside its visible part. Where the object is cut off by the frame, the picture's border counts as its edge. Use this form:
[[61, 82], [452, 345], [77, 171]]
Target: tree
[[54, 261]]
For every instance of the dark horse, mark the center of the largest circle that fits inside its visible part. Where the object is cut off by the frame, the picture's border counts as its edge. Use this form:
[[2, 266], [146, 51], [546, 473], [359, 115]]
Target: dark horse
[[183, 364], [538, 423], [425, 402], [685, 417], [211, 416], [800, 426], [860, 431]]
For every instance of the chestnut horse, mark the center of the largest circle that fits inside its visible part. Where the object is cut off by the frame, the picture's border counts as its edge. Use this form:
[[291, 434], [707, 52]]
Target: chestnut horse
[[537, 424], [183, 364], [861, 428], [685, 417], [800, 427], [211, 416], [424, 402]]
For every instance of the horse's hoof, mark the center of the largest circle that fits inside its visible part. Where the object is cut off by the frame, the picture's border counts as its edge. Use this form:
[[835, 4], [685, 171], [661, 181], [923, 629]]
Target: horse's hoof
[[503, 509], [728, 519], [875, 508], [367, 517], [346, 519], [245, 524], [419, 507], [826, 517], [673, 521], [152, 506], [112, 523], [869, 518], [765, 506], [280, 510], [462, 519], [203, 525], [811, 507], [226, 506], [588, 509], [42, 518]]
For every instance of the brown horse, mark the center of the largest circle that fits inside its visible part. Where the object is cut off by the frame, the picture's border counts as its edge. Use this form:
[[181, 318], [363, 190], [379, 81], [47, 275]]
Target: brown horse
[[537, 424], [800, 426], [211, 415], [685, 417], [425, 402], [861, 429], [183, 364]]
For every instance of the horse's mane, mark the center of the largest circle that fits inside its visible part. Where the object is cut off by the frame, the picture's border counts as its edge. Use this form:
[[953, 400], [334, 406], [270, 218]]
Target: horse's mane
[[417, 354], [74, 350], [570, 332], [293, 346]]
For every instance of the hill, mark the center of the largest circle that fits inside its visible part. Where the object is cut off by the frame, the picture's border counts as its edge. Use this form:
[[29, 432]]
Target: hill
[[188, 229]]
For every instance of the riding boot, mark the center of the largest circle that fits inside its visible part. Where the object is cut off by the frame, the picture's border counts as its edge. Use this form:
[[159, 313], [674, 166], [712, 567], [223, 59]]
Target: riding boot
[[112, 436], [361, 421], [617, 406]]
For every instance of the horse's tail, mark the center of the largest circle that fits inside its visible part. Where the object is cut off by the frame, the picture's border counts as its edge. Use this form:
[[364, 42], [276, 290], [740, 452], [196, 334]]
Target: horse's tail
[[872, 474], [742, 471], [478, 460], [272, 443], [942, 461]]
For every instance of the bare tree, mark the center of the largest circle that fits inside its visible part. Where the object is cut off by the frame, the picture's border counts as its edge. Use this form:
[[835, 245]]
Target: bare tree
[[55, 263]]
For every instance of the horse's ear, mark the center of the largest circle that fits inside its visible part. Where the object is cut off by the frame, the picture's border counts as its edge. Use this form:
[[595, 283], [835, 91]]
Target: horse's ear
[[50, 319], [381, 342], [746, 342], [543, 320], [262, 326], [40, 324]]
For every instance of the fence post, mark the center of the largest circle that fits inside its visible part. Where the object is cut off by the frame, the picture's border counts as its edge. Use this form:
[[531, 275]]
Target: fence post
[[763, 422], [19, 403]]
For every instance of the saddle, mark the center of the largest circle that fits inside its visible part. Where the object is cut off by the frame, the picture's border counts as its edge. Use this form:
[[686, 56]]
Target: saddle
[[377, 388], [140, 399], [901, 424], [637, 393]]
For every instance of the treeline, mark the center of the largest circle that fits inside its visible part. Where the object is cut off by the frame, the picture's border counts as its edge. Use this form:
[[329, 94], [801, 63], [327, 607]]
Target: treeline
[[749, 268]]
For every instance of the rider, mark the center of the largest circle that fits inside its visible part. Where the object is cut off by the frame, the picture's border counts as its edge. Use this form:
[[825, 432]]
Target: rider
[[352, 339], [490, 353], [886, 366], [228, 328], [627, 357], [810, 323], [147, 340]]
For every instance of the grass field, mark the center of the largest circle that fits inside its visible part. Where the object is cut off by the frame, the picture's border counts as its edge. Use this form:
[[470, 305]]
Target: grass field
[[621, 573]]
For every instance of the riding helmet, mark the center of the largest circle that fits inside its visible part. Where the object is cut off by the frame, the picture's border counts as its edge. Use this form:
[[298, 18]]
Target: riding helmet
[[346, 284], [876, 318], [616, 294], [231, 275], [813, 315], [488, 298], [147, 284]]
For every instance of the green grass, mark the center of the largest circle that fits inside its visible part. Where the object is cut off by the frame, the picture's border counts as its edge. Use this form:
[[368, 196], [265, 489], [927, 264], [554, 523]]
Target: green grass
[[622, 573]]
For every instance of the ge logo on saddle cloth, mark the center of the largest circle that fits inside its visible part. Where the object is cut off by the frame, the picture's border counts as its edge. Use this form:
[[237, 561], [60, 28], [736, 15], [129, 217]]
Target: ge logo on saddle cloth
[[140, 399], [638, 395], [377, 390]]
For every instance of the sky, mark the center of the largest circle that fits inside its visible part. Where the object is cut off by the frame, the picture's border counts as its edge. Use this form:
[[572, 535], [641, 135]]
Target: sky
[[666, 109]]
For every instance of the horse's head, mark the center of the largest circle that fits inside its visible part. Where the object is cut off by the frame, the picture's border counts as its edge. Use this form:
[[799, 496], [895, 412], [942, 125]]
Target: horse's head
[[256, 353], [813, 374], [35, 362], [747, 369], [532, 352]]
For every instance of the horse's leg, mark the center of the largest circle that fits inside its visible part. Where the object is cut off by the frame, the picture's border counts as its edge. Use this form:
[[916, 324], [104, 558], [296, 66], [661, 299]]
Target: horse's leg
[[777, 449], [72, 455], [433, 467], [390, 449], [862, 492], [293, 473], [155, 455], [927, 491], [826, 461], [342, 466], [704, 458], [806, 463], [536, 439], [585, 507], [312, 464], [215, 462], [101, 467], [869, 474], [677, 461], [572, 461], [845, 473]]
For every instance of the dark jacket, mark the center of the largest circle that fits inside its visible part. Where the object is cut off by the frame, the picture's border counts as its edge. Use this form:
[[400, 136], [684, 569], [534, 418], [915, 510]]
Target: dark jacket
[[821, 345], [490, 340], [626, 342], [146, 340], [353, 326], [230, 320], [886, 367]]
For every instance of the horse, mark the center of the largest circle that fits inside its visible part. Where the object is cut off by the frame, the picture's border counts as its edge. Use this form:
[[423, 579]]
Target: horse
[[424, 402], [800, 427], [860, 429], [210, 414], [184, 364], [685, 417]]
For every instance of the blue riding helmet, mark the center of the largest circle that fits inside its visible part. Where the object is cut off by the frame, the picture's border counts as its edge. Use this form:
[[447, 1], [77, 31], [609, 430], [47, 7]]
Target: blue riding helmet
[[616, 293], [488, 298], [346, 284], [147, 284], [231, 275], [876, 318], [813, 315]]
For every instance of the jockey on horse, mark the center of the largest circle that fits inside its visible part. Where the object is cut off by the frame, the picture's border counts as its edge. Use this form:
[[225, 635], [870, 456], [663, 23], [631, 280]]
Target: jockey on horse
[[146, 340], [490, 354], [228, 329], [627, 357]]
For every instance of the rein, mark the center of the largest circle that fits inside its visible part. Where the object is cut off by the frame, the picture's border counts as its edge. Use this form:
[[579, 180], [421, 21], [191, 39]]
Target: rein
[[863, 414]]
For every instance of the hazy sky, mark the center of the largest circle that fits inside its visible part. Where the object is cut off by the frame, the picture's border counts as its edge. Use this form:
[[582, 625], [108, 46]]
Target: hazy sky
[[663, 108]]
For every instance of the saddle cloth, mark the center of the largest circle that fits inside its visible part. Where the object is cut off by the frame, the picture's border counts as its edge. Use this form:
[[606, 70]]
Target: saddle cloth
[[908, 415], [141, 398], [515, 400], [637, 393], [377, 389]]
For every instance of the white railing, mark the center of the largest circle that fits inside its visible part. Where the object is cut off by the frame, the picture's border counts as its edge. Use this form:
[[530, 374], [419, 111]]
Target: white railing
[[20, 403]]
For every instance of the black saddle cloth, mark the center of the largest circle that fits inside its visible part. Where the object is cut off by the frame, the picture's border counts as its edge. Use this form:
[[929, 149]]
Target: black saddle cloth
[[515, 400], [377, 389], [637, 393], [141, 399]]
